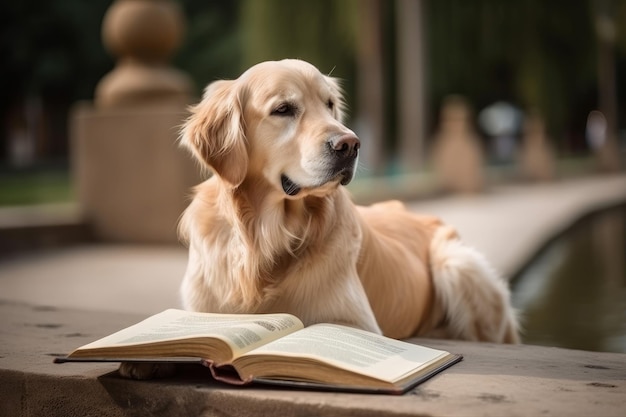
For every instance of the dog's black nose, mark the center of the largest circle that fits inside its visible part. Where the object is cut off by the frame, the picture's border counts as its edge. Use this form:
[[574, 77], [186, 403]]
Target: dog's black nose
[[345, 146]]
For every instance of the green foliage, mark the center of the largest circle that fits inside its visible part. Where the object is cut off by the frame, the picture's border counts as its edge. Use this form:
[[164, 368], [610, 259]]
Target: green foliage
[[538, 54], [51, 48], [322, 32], [212, 46]]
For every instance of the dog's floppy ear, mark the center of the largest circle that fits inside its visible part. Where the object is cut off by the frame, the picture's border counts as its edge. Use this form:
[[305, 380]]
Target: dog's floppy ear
[[214, 132], [337, 91]]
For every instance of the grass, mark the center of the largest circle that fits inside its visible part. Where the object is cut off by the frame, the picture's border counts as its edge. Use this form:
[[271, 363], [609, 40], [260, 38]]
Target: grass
[[35, 187]]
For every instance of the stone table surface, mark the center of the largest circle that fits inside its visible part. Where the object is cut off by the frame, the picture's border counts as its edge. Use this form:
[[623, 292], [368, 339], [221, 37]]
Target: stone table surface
[[492, 380]]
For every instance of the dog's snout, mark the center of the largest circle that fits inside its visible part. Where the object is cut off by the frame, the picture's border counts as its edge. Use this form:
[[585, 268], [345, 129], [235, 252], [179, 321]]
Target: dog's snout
[[346, 145]]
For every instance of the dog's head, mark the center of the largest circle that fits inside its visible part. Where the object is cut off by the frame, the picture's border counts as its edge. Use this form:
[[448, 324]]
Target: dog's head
[[281, 120]]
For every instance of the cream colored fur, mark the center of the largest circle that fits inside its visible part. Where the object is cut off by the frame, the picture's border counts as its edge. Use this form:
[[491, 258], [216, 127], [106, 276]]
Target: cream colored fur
[[254, 248]]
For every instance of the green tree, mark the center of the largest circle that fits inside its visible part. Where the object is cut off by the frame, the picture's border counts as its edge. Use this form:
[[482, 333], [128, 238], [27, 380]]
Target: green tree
[[212, 46], [538, 54], [51, 52], [321, 32]]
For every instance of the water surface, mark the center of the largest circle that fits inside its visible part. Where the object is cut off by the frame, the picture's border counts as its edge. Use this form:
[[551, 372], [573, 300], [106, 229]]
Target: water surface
[[573, 294]]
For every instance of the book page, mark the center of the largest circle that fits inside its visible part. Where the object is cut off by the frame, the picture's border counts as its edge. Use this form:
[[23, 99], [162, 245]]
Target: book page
[[242, 332], [356, 350]]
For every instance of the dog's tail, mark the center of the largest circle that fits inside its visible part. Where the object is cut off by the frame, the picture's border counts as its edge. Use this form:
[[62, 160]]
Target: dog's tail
[[473, 301]]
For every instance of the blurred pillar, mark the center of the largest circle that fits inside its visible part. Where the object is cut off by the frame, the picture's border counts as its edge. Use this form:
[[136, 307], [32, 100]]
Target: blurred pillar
[[608, 154], [132, 179], [370, 123], [537, 160], [458, 157], [410, 83]]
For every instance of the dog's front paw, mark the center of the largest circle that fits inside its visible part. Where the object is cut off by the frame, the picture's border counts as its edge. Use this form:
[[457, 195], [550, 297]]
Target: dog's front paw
[[146, 370]]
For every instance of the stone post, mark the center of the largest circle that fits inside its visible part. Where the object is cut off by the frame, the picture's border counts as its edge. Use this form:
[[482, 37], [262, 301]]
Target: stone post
[[536, 158], [132, 179], [458, 157]]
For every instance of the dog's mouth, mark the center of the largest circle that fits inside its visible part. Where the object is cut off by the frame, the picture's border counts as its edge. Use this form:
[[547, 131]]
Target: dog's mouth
[[346, 176], [289, 187], [292, 189]]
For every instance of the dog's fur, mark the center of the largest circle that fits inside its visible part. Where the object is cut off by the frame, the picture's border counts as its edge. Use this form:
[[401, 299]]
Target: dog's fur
[[274, 230]]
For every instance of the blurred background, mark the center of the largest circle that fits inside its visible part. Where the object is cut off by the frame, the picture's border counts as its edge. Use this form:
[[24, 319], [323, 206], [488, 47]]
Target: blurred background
[[447, 96], [560, 59]]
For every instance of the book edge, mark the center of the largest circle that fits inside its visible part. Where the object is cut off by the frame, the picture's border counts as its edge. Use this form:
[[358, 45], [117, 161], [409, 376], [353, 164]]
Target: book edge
[[399, 390]]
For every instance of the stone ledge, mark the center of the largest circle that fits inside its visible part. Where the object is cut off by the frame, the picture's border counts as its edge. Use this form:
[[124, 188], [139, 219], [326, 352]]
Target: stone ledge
[[493, 380]]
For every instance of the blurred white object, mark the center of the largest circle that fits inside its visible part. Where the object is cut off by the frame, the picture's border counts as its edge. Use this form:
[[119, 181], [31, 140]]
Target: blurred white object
[[502, 121], [596, 130]]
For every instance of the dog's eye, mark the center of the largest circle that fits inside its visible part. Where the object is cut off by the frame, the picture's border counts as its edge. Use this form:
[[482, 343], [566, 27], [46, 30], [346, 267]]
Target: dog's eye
[[330, 104], [285, 109]]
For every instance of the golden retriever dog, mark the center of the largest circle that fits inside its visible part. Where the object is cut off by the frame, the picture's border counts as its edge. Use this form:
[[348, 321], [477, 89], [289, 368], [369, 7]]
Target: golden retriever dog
[[275, 230]]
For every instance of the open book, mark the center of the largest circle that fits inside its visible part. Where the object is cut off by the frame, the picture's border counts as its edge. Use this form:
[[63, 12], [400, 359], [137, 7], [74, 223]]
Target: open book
[[272, 348]]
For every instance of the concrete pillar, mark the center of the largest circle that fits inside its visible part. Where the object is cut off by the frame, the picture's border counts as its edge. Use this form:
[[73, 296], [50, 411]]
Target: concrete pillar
[[536, 158], [458, 157], [132, 179]]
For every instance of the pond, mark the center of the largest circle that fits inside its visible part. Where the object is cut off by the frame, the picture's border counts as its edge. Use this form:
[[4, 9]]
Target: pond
[[573, 293]]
